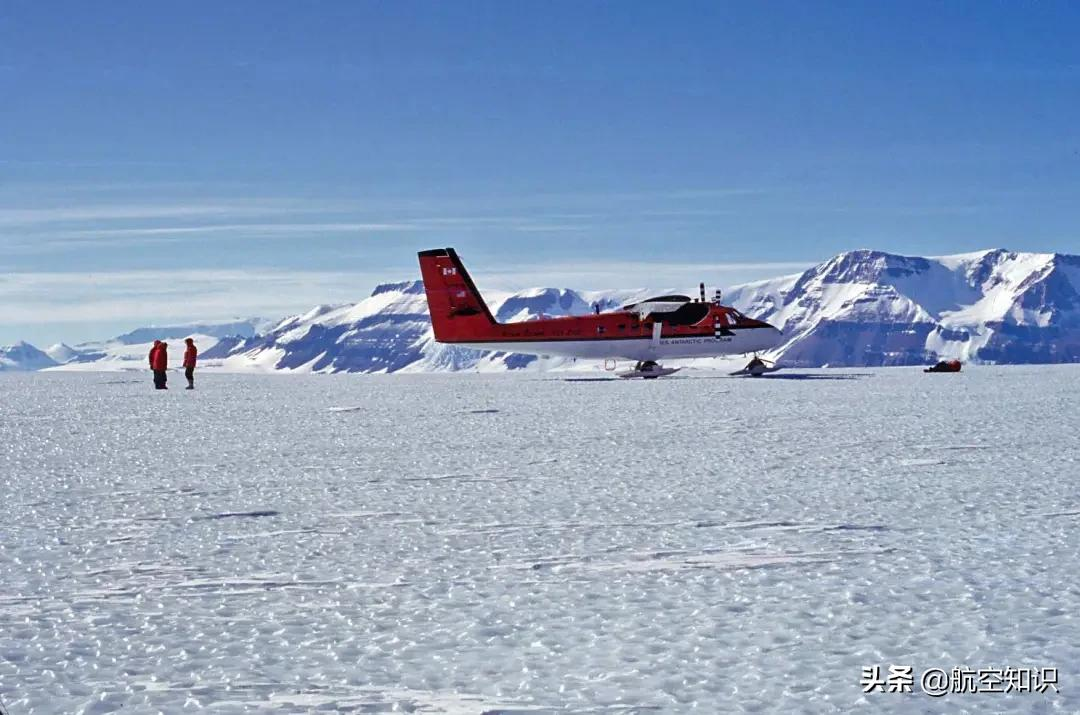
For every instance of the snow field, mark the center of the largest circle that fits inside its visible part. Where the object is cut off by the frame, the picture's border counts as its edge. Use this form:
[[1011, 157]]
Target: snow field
[[523, 543]]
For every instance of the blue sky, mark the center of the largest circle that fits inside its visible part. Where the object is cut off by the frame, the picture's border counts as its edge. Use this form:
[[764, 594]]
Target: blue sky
[[165, 162]]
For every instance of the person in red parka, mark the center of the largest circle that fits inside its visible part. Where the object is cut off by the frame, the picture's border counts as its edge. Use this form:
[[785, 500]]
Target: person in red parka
[[190, 356], [159, 363], [153, 352]]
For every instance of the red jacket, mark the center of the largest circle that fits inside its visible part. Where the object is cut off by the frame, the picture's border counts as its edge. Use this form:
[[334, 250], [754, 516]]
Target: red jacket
[[153, 350], [159, 358], [189, 356]]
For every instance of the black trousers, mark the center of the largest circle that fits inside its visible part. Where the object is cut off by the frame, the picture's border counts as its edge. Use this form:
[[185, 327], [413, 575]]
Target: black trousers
[[160, 378], [189, 373]]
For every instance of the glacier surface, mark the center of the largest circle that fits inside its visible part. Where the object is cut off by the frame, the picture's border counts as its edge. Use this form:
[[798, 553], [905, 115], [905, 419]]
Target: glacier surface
[[520, 543]]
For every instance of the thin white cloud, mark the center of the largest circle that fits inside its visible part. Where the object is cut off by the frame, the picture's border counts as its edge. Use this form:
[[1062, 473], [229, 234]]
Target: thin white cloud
[[120, 209], [142, 296], [502, 219], [157, 235], [76, 164], [552, 228], [596, 275], [67, 240], [247, 227], [119, 212], [662, 194]]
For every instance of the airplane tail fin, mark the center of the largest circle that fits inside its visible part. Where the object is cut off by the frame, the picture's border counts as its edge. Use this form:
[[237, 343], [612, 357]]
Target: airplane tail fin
[[458, 312]]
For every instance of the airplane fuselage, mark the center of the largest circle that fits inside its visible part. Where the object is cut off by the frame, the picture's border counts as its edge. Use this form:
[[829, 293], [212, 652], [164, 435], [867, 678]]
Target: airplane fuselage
[[624, 336], [661, 328]]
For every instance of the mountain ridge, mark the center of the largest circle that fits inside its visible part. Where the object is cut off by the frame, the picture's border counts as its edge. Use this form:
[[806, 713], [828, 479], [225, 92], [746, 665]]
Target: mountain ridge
[[859, 308]]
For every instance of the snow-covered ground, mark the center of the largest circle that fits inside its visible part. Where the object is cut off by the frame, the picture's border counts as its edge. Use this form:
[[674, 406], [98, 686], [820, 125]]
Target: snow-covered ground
[[535, 543]]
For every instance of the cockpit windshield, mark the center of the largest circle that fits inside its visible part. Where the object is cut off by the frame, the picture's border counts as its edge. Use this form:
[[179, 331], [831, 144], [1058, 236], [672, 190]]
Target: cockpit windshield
[[659, 299]]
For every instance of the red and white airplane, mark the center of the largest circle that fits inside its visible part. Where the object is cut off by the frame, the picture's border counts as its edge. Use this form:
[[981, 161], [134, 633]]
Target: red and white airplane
[[666, 327]]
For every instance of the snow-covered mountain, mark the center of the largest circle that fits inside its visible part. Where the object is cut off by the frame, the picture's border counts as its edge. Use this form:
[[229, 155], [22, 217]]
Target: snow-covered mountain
[[873, 308], [245, 328], [130, 350], [62, 353], [859, 308], [24, 356]]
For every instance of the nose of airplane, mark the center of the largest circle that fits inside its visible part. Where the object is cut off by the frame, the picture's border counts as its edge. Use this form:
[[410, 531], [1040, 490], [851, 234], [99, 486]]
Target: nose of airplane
[[771, 337], [777, 335]]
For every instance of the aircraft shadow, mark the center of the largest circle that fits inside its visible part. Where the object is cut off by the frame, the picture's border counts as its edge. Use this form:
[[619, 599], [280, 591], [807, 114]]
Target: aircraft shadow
[[773, 376], [812, 376], [587, 379]]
